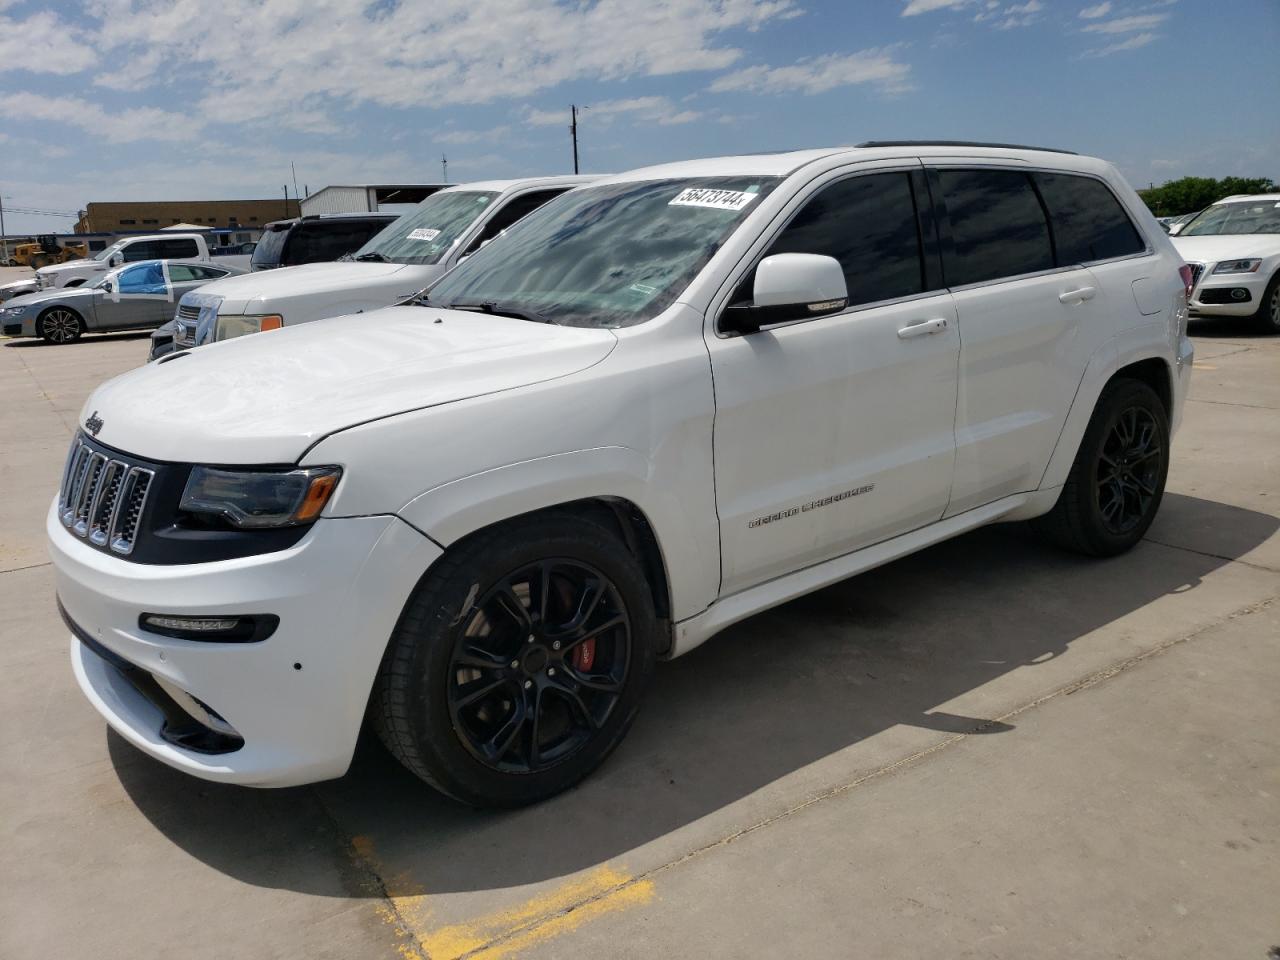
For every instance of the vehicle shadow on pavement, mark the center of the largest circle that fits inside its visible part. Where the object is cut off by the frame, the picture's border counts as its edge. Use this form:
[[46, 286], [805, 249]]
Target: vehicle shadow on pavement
[[762, 700], [89, 338], [1224, 327]]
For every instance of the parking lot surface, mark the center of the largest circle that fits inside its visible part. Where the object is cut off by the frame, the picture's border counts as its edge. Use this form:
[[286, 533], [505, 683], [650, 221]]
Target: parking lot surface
[[989, 749]]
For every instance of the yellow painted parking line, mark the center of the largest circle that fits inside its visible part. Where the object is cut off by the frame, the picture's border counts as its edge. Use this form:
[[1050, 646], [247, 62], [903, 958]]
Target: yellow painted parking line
[[504, 933], [1204, 366]]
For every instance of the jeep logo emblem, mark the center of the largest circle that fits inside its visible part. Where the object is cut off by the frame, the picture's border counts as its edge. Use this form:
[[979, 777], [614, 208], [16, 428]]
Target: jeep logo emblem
[[94, 423]]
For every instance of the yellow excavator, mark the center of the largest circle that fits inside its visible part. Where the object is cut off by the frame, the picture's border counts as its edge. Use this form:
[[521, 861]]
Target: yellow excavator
[[47, 250]]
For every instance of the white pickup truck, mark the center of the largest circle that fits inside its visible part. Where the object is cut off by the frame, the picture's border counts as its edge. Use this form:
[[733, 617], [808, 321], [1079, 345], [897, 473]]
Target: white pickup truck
[[394, 264], [159, 246]]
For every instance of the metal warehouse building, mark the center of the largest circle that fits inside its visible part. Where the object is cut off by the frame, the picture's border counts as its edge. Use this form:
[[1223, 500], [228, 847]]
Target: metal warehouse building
[[366, 197]]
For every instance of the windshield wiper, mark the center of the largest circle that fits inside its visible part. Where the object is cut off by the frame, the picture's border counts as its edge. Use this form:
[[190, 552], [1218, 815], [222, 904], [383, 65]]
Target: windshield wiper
[[500, 308], [374, 256]]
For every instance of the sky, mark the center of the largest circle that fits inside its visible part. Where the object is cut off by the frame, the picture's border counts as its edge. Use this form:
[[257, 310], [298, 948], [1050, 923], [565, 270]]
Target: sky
[[188, 99]]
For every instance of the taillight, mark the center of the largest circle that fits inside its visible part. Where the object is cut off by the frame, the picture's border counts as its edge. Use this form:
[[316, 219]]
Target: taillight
[[1188, 278]]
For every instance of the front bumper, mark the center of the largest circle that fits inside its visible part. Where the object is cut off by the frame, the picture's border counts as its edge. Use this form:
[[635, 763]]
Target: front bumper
[[1218, 288], [23, 326], [297, 698]]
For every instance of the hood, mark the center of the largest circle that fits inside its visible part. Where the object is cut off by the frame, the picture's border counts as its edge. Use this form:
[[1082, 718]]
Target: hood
[[1232, 246], [61, 294], [266, 398], [309, 279], [72, 266]]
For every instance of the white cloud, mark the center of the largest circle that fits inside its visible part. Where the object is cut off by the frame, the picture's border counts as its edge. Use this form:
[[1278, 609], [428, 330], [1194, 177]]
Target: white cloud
[[1144, 21], [125, 126], [1020, 15], [1096, 11], [1132, 43], [472, 136], [43, 44], [314, 59], [820, 74], [917, 7], [658, 110]]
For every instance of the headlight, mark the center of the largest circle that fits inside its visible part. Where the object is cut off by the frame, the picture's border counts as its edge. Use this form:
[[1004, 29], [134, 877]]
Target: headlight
[[252, 499], [1238, 266], [228, 327], [12, 311]]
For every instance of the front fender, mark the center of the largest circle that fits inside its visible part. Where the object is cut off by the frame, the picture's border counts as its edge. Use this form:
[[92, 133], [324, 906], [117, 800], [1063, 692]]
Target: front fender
[[452, 510]]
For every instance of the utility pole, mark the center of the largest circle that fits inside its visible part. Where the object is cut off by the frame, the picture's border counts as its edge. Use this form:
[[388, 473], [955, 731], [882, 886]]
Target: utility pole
[[4, 237], [295, 180], [573, 133], [444, 168], [286, 200]]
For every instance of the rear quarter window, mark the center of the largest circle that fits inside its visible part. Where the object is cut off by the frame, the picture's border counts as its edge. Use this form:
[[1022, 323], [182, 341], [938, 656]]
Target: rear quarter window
[[1088, 221]]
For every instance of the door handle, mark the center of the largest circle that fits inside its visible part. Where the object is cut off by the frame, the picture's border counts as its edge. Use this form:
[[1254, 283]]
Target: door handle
[[1077, 296], [923, 328]]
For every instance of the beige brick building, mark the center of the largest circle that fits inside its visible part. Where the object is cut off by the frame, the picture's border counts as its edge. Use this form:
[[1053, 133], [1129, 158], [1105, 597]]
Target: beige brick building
[[146, 216]]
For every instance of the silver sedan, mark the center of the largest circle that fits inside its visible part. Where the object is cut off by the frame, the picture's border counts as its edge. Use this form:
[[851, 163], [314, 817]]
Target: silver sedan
[[140, 296]]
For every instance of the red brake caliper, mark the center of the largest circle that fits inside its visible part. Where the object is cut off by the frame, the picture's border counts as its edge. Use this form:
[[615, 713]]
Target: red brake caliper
[[584, 655]]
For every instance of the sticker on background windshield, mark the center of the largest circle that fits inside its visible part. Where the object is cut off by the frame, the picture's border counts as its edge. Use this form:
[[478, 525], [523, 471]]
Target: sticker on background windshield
[[422, 233], [716, 199]]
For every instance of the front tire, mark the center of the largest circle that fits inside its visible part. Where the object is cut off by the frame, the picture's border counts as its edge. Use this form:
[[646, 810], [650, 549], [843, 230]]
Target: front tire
[[1268, 315], [59, 325], [519, 662], [1117, 481]]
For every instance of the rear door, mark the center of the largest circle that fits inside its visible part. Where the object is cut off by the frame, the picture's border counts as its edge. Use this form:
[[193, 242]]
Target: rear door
[[1028, 324], [834, 433]]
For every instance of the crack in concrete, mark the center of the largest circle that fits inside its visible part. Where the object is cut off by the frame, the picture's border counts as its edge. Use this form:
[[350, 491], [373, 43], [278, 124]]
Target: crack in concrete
[[1216, 556], [44, 394], [30, 566], [1229, 403]]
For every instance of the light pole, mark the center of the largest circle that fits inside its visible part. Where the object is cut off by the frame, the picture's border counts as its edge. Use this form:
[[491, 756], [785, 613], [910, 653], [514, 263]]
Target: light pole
[[4, 237], [573, 132]]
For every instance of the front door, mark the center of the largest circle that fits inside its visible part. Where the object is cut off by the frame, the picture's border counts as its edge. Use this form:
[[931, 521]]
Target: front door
[[834, 433]]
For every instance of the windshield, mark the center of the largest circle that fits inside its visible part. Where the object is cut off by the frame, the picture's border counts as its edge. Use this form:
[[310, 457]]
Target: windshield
[[104, 254], [607, 256], [429, 232], [1257, 216]]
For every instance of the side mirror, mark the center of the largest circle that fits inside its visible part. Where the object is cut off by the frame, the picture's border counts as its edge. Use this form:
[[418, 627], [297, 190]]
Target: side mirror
[[116, 259], [789, 286]]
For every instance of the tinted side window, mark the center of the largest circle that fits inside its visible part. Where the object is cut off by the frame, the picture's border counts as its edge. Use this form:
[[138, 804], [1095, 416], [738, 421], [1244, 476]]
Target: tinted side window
[[997, 226], [1088, 221], [324, 240], [144, 250], [179, 249], [513, 212], [868, 223]]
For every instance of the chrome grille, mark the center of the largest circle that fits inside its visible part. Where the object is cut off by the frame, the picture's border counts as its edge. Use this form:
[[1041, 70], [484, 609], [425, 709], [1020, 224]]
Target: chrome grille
[[184, 324], [102, 498]]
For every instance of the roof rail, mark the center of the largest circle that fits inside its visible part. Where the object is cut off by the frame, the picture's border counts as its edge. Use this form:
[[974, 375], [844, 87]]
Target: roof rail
[[960, 143]]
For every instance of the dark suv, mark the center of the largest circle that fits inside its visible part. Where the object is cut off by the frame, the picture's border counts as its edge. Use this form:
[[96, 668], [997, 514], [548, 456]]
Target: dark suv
[[315, 239]]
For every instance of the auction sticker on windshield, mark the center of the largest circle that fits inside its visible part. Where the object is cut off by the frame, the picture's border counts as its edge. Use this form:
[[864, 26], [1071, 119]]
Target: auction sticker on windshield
[[423, 233], [716, 199]]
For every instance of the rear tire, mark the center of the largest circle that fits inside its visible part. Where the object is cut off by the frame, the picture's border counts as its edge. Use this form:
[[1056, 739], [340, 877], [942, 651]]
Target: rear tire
[[1268, 314], [1117, 480], [59, 325], [486, 691]]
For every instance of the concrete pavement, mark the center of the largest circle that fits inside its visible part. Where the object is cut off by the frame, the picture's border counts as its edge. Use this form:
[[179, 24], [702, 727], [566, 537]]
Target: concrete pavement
[[988, 749]]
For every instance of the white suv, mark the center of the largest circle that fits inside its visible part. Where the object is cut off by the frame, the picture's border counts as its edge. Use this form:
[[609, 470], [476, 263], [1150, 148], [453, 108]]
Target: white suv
[[1233, 248], [660, 404]]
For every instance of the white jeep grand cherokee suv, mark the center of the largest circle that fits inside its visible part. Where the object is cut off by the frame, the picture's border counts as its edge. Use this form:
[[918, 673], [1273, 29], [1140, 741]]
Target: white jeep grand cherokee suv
[[660, 404], [1233, 248]]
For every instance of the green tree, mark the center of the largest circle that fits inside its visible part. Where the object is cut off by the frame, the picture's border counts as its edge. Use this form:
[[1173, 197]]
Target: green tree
[[1189, 194]]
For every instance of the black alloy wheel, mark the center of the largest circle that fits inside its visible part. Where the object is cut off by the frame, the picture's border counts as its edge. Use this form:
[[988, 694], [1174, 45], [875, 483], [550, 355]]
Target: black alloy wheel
[[539, 666], [1129, 470], [520, 660], [60, 325], [1116, 482]]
